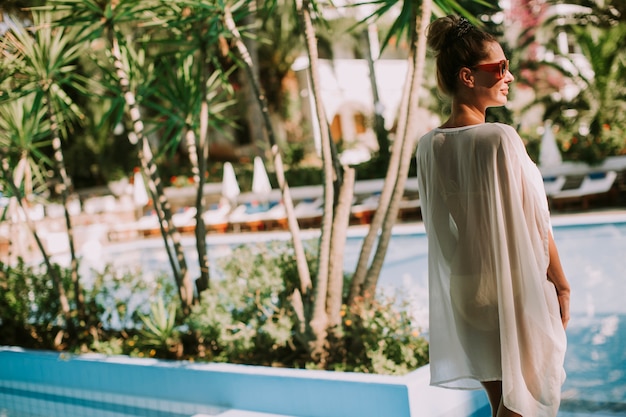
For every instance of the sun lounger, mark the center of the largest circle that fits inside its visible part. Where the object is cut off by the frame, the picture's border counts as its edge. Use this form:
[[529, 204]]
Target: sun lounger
[[593, 186], [185, 219], [364, 210], [148, 224], [217, 218], [256, 216], [410, 207], [97, 205], [553, 185], [309, 212]]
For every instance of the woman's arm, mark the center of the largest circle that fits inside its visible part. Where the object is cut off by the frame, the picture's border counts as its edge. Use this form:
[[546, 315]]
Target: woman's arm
[[557, 276]]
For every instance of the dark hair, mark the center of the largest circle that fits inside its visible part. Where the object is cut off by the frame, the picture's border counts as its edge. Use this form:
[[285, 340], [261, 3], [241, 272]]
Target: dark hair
[[457, 43]]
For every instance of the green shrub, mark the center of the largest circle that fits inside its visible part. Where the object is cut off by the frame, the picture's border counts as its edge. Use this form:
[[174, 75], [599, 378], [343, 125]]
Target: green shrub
[[29, 306], [116, 298], [381, 338], [246, 317]]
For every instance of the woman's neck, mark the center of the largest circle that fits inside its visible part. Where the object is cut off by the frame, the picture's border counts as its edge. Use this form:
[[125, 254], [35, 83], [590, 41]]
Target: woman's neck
[[464, 115]]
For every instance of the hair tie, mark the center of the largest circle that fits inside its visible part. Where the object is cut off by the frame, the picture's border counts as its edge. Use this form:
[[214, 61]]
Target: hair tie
[[462, 27]]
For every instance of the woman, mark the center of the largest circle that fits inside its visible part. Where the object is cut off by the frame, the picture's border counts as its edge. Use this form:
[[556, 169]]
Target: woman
[[499, 299]]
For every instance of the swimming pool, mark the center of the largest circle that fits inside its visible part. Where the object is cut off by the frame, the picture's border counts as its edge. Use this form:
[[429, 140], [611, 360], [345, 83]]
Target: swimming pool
[[593, 252], [28, 400]]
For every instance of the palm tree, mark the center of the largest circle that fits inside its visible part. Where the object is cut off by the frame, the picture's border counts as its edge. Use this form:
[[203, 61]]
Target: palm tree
[[23, 132], [338, 183], [250, 69], [106, 20], [49, 57], [195, 96], [413, 20], [324, 319]]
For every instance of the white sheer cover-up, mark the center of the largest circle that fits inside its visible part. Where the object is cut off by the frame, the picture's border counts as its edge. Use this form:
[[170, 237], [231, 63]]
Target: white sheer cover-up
[[493, 313]]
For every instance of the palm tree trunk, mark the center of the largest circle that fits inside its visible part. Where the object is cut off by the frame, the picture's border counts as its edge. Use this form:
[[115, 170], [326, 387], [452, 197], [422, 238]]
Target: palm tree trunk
[[301, 262], [200, 231], [334, 296], [379, 122], [365, 279], [162, 206], [338, 192], [199, 158], [65, 188], [408, 146], [319, 321]]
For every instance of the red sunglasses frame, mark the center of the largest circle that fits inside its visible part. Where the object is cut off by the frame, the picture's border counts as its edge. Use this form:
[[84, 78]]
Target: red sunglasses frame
[[500, 68]]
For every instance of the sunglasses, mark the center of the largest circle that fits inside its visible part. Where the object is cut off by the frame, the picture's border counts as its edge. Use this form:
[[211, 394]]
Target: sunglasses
[[500, 68]]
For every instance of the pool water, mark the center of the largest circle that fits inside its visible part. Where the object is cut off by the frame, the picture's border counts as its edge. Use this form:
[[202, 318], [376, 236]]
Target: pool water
[[36, 400], [593, 256]]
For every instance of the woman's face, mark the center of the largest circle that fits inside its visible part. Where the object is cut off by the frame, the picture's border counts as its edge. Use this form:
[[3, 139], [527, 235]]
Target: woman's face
[[492, 87]]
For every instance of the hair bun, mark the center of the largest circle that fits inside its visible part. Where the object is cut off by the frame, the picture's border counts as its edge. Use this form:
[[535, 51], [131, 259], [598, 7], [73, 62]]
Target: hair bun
[[445, 30]]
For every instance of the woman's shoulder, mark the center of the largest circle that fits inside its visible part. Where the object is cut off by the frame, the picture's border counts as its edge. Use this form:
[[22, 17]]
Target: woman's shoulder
[[500, 128], [508, 129], [494, 133], [506, 135]]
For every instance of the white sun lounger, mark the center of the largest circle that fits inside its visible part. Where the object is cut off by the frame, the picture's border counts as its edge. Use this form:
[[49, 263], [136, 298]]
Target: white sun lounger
[[592, 186], [554, 184]]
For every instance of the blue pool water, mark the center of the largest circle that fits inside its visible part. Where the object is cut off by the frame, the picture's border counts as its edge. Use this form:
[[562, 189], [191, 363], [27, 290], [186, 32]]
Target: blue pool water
[[594, 258]]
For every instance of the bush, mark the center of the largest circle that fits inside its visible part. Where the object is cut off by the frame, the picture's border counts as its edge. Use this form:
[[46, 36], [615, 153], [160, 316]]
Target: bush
[[116, 298], [381, 338], [245, 317], [29, 306]]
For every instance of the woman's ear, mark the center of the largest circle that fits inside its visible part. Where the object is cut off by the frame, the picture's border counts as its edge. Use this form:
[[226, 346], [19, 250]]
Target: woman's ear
[[466, 77]]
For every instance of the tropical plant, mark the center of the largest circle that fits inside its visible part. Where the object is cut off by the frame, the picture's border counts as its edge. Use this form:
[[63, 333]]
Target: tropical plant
[[47, 71], [338, 182], [319, 312], [23, 132], [412, 20], [252, 320], [159, 329], [250, 69], [196, 96], [29, 307], [107, 20], [365, 278], [586, 96], [600, 122]]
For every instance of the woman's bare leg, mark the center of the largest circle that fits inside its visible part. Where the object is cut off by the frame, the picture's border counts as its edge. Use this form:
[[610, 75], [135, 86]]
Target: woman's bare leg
[[494, 393]]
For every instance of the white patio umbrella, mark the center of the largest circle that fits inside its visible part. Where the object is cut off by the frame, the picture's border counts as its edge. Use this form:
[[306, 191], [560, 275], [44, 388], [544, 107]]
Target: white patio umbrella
[[549, 154], [230, 186], [260, 181], [140, 195]]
